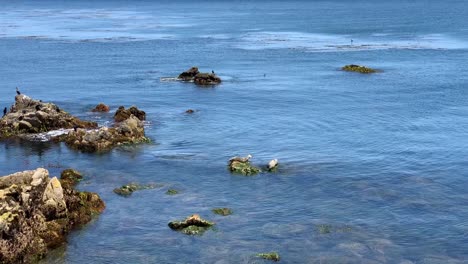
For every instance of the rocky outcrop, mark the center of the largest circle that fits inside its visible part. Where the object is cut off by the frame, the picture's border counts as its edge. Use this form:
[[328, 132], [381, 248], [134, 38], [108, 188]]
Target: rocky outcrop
[[123, 114], [31, 116], [358, 68], [242, 166], [193, 75], [273, 256], [129, 131], [189, 74], [37, 213], [128, 189], [192, 225], [101, 108], [206, 79]]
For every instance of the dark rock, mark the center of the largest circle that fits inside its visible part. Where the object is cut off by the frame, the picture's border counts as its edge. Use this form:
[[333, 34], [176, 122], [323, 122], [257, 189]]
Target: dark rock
[[190, 111], [172, 192], [192, 225], [358, 68], [274, 256], [101, 108], [122, 114], [37, 213], [189, 74], [128, 189], [206, 79]]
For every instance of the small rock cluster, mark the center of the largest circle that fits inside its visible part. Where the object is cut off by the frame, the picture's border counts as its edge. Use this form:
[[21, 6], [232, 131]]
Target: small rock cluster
[[197, 77], [192, 225], [37, 212], [358, 68]]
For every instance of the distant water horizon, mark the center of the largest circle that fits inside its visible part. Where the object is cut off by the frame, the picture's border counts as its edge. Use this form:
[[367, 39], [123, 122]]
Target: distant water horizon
[[372, 167]]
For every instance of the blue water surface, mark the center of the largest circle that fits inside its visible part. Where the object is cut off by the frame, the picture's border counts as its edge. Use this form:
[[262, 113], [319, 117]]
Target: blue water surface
[[373, 168]]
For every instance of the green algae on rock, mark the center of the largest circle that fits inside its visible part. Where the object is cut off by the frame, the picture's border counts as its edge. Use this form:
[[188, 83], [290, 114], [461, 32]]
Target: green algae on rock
[[37, 213], [244, 168], [128, 189], [274, 256], [358, 68], [192, 225], [172, 192], [222, 211]]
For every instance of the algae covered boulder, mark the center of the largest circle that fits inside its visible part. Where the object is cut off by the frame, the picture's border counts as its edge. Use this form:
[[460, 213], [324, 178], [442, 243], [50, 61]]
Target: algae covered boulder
[[33, 116], [172, 192], [192, 225], [358, 68], [38, 212], [242, 166], [128, 189], [273, 256]]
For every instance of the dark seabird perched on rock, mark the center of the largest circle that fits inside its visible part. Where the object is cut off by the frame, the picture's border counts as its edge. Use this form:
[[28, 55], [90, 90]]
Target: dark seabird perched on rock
[[240, 159], [38, 107], [4, 111], [17, 91], [212, 72]]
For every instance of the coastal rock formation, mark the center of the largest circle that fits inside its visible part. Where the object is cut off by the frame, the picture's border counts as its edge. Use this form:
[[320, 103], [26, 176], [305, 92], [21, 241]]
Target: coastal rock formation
[[206, 79], [122, 114], [129, 131], [242, 165], [274, 256], [101, 108], [198, 77], [358, 68], [31, 116], [189, 74], [37, 213], [192, 225]]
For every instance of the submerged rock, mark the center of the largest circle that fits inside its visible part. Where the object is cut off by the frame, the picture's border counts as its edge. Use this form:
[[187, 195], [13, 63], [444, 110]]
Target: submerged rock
[[190, 111], [172, 192], [189, 74], [37, 213], [128, 189], [101, 108], [274, 256], [129, 131], [31, 116], [358, 68], [123, 114], [206, 79], [242, 165], [192, 225], [222, 211]]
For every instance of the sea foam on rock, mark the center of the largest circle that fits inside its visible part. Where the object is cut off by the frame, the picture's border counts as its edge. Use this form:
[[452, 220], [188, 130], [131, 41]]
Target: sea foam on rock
[[38, 212]]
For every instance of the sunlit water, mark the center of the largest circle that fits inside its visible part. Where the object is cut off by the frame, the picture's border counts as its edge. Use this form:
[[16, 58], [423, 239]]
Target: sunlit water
[[380, 159]]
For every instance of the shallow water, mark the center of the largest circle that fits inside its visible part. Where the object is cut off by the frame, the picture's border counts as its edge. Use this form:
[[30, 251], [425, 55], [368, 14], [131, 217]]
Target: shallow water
[[379, 159]]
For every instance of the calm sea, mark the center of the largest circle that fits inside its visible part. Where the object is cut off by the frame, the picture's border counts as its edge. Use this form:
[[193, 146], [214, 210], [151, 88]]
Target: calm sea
[[373, 168]]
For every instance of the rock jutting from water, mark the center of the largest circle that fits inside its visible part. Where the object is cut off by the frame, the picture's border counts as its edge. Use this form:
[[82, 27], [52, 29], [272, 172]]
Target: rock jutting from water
[[28, 116], [192, 225], [273, 256], [242, 166], [123, 114], [129, 131], [38, 212], [101, 108], [358, 68], [128, 189], [193, 75]]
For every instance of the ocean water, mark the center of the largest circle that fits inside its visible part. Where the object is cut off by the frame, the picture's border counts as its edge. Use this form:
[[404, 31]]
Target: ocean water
[[373, 168]]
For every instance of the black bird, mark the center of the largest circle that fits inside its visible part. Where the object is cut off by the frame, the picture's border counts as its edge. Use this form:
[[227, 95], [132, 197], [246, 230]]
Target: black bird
[[38, 107], [57, 109], [17, 91], [212, 72], [4, 111], [75, 128]]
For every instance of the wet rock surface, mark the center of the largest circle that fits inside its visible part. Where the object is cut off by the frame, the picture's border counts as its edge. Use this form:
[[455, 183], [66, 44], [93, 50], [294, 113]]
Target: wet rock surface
[[222, 211], [192, 225], [37, 213], [32, 116], [101, 108], [123, 114], [189, 74], [200, 78], [129, 131], [273, 256], [242, 166], [358, 68], [128, 189]]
